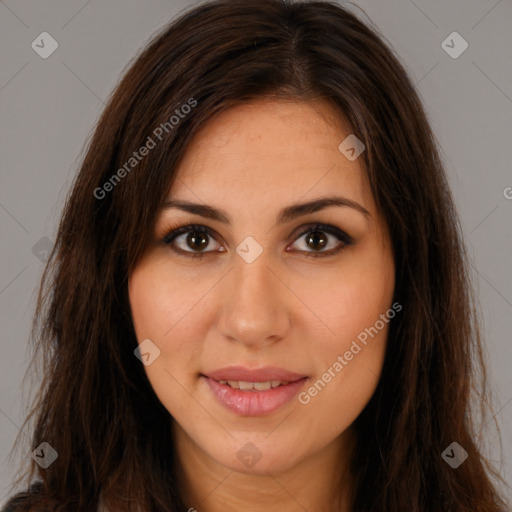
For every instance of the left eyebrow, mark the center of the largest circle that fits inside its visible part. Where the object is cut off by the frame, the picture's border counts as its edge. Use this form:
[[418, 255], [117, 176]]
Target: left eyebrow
[[285, 215]]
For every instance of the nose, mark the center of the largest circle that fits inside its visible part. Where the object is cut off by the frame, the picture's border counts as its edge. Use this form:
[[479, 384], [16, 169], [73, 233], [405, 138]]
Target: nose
[[254, 305]]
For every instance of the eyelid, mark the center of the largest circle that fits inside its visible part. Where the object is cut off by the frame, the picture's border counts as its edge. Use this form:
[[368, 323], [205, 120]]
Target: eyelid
[[183, 229], [327, 228], [174, 231]]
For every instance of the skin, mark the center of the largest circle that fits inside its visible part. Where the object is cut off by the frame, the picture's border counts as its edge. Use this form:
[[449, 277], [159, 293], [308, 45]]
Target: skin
[[284, 309]]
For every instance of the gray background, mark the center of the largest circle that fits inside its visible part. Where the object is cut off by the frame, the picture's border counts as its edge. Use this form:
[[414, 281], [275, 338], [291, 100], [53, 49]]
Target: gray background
[[49, 107]]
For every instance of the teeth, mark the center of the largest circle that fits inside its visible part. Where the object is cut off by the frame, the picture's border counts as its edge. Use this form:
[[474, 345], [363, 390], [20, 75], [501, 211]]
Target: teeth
[[258, 386], [262, 386]]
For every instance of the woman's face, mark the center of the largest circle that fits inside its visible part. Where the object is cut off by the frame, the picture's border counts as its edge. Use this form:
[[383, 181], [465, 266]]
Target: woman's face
[[258, 307]]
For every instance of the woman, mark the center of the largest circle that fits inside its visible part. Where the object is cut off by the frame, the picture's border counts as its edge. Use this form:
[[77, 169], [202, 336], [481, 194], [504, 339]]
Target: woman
[[258, 298]]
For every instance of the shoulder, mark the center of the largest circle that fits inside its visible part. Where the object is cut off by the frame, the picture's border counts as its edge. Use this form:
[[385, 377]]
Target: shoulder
[[34, 499], [31, 500]]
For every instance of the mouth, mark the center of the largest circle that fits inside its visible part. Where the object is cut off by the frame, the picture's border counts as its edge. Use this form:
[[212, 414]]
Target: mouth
[[253, 386], [258, 392]]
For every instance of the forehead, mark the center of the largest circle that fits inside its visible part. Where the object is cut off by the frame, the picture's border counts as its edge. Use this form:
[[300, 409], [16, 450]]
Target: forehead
[[266, 152]]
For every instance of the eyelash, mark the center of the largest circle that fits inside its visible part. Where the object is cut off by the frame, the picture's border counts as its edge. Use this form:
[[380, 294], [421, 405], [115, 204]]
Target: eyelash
[[174, 232]]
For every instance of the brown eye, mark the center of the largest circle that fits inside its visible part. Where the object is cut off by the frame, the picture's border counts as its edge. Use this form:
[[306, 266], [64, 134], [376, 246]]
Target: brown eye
[[193, 244], [317, 240], [197, 240]]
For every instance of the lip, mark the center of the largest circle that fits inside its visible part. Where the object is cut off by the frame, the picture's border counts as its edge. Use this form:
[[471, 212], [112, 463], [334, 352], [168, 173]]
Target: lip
[[250, 402]]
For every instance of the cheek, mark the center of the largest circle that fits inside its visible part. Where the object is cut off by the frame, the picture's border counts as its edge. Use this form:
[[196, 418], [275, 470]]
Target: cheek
[[159, 306], [355, 304], [158, 300], [354, 298], [165, 309]]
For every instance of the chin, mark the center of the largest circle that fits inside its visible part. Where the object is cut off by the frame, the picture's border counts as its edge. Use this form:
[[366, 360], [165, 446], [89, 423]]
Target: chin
[[255, 454]]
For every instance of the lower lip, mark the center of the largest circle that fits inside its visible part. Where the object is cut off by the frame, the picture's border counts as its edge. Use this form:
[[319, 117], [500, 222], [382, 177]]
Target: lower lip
[[254, 403]]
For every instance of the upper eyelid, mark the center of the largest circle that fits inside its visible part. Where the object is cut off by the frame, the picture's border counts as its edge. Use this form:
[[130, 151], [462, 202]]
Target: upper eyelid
[[303, 229]]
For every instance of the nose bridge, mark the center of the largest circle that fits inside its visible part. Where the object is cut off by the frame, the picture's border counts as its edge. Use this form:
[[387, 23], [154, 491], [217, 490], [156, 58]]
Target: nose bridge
[[253, 307], [254, 279]]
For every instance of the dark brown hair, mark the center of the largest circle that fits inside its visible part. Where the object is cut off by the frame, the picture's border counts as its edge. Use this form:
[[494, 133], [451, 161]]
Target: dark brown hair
[[96, 406]]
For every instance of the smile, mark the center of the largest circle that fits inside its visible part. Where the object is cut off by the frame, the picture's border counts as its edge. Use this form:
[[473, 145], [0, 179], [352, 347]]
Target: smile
[[267, 390]]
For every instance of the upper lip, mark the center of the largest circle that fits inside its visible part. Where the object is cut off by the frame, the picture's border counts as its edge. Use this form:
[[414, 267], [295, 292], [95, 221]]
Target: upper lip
[[263, 374]]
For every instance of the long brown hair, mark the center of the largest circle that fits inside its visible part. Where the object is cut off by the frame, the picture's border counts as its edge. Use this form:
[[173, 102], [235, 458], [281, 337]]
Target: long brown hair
[[96, 407]]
